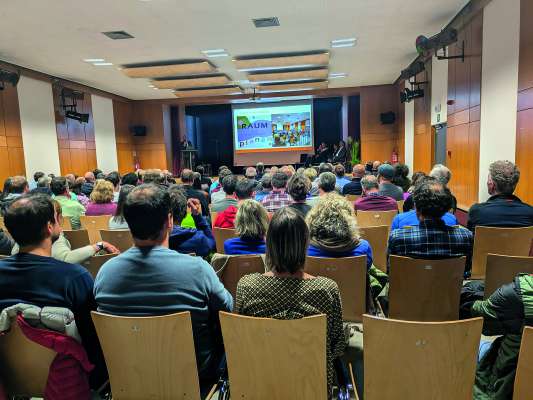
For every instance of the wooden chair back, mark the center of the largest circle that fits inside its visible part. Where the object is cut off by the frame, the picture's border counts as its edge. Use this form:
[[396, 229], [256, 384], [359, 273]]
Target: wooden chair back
[[260, 351], [237, 267], [400, 205], [25, 364], [425, 290], [221, 235], [504, 241], [420, 360], [94, 224], [149, 357], [214, 216], [503, 269], [378, 237], [350, 275], [66, 224], [353, 197], [78, 238], [523, 384], [121, 239], [375, 218], [94, 263]]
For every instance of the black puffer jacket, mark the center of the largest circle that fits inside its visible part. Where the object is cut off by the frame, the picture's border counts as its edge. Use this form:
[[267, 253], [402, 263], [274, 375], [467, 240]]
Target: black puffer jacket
[[6, 244]]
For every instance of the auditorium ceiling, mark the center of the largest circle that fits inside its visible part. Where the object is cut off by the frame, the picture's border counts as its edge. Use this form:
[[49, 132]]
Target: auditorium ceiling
[[56, 36]]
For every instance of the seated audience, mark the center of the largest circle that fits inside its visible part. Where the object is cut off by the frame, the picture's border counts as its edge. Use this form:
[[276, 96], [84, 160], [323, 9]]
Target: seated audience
[[101, 199], [205, 181], [311, 173], [286, 291], [187, 179], [505, 313], [326, 183], [340, 173], [279, 197], [401, 178], [503, 208], [33, 277], [6, 244], [264, 188], [114, 178], [339, 155], [43, 186], [218, 192], [251, 225], [298, 187], [333, 230], [386, 187], [250, 173], [88, 186], [243, 190], [150, 279], [229, 183], [260, 170], [288, 170], [354, 186], [17, 186], [118, 222], [324, 167], [153, 176], [375, 167], [76, 189], [199, 240], [432, 238], [197, 183], [36, 176], [372, 200], [71, 208], [217, 184], [409, 204], [131, 178], [443, 174]]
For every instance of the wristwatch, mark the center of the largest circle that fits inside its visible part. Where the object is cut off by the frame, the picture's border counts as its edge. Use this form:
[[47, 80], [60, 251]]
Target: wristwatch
[[100, 246]]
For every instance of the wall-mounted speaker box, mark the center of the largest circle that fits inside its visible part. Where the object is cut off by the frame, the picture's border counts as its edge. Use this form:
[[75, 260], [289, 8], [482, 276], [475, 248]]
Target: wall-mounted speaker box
[[138, 130], [387, 118]]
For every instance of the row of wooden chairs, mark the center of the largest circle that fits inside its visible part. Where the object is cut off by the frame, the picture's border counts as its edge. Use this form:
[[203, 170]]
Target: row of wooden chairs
[[154, 357]]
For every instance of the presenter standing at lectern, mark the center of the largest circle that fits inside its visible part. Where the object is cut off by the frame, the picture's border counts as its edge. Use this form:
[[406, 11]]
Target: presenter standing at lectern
[[188, 157]]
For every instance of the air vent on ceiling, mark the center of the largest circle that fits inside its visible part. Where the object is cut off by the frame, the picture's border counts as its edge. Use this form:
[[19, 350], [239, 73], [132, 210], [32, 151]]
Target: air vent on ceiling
[[117, 35], [266, 22]]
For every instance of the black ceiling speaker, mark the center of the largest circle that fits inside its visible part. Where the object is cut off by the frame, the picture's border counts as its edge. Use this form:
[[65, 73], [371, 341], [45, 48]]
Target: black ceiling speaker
[[388, 118], [138, 130]]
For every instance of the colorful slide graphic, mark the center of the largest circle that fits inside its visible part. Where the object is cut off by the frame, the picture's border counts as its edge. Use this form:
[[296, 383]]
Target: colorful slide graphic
[[273, 128]]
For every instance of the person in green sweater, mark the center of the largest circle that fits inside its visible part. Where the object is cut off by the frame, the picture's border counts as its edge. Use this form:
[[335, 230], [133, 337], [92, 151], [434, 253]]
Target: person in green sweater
[[71, 208]]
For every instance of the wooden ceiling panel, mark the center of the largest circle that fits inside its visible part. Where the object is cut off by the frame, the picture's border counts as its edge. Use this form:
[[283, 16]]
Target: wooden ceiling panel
[[308, 60], [287, 87], [312, 74], [161, 71], [187, 83], [220, 91]]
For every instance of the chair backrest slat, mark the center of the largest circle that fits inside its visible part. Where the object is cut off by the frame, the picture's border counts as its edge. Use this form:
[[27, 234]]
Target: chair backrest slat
[[350, 275], [149, 357], [420, 360], [121, 239], [78, 238], [261, 351], [353, 197], [523, 384], [375, 218], [503, 269], [504, 241], [378, 237], [94, 224], [237, 267], [221, 235], [94, 263], [425, 290]]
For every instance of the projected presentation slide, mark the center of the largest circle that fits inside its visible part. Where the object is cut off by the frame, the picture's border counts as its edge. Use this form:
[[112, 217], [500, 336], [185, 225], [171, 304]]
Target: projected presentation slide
[[273, 128]]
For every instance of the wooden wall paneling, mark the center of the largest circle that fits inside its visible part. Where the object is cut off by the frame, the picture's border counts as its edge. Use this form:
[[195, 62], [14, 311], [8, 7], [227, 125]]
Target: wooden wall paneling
[[474, 49], [11, 146], [423, 135], [125, 147], [401, 124], [524, 146], [462, 71], [525, 74]]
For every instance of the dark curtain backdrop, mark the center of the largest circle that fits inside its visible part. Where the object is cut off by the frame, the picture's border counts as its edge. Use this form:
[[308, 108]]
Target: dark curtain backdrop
[[209, 127]]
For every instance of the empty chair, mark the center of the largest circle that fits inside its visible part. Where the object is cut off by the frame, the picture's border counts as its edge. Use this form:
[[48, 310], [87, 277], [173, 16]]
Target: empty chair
[[238, 266], [149, 357], [275, 359], [121, 239], [221, 235], [353, 197], [523, 384], [425, 290], [78, 238], [25, 364], [94, 224], [503, 269], [378, 237], [375, 218], [350, 275], [94, 263], [504, 241], [420, 360]]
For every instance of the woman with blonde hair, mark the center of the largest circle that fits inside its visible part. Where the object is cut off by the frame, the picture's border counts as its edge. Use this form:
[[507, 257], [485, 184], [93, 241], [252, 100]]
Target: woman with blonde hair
[[251, 224], [101, 199], [333, 230]]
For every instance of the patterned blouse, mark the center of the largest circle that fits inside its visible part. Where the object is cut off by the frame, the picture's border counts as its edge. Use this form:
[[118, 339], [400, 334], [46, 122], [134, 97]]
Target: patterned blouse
[[293, 298]]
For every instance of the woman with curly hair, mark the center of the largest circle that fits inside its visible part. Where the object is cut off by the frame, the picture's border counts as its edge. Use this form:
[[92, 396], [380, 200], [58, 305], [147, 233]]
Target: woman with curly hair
[[101, 199], [333, 230]]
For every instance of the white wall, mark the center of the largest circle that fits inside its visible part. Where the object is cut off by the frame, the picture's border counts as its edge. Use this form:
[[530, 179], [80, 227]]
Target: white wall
[[409, 138], [104, 133], [439, 91], [37, 120], [499, 86]]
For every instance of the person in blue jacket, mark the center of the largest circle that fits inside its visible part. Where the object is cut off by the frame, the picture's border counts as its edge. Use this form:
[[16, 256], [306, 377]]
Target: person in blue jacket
[[409, 218], [251, 224]]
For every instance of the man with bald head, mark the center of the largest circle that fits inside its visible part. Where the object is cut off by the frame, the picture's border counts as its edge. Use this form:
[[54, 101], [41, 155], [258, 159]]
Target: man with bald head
[[87, 187], [354, 187]]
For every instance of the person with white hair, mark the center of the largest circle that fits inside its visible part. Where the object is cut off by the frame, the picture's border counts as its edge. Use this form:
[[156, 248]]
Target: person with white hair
[[443, 175]]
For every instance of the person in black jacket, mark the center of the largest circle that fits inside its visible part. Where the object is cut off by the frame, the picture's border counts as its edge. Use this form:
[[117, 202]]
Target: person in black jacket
[[187, 178], [502, 209], [339, 156], [6, 244]]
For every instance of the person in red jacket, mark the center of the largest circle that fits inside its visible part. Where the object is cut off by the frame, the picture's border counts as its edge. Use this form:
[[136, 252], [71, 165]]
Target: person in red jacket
[[245, 189]]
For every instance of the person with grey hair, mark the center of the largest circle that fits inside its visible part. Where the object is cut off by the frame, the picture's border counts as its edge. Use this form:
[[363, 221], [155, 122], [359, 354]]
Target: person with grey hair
[[372, 200], [264, 187], [441, 173], [43, 186], [326, 183], [503, 208]]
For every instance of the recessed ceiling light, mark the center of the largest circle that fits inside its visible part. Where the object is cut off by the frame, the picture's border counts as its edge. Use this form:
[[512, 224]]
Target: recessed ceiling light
[[349, 42], [335, 75], [102, 64], [151, 86], [93, 60], [215, 53]]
